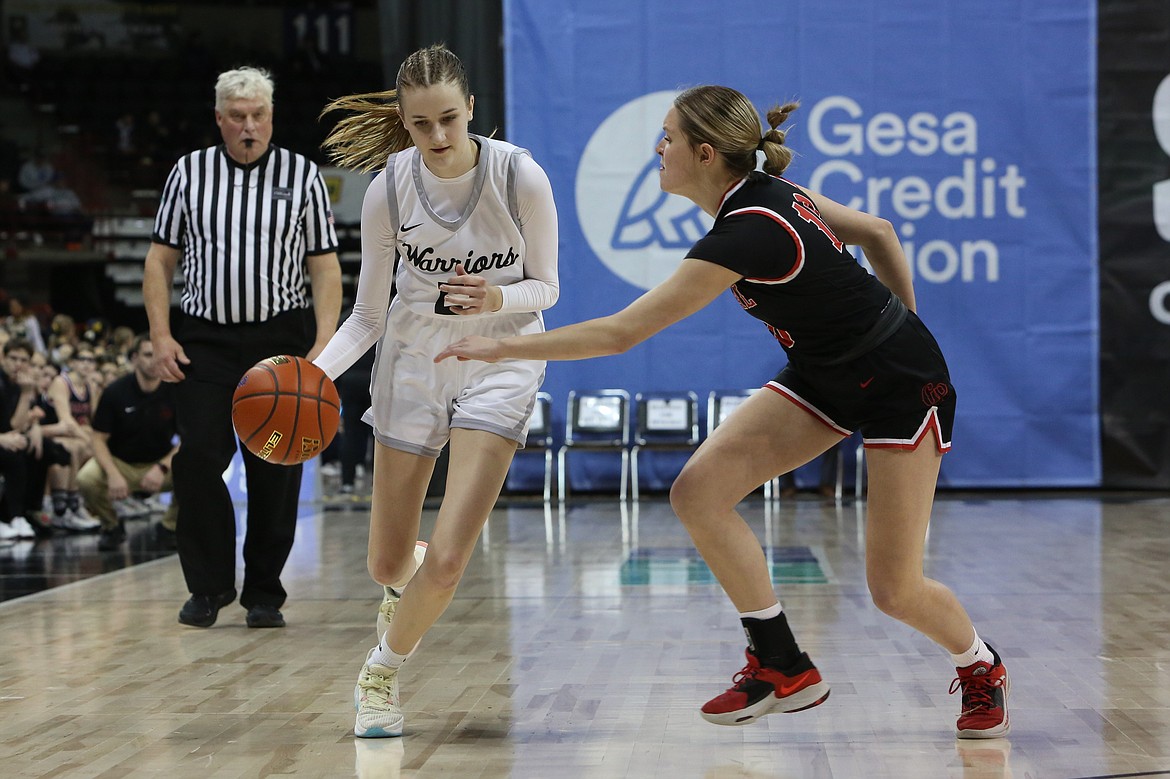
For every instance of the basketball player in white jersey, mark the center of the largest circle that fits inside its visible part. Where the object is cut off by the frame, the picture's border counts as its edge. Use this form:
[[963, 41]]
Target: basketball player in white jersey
[[466, 230]]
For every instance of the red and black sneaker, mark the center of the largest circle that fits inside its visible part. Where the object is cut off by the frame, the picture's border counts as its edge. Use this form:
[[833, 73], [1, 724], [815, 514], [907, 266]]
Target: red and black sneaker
[[985, 691], [758, 690]]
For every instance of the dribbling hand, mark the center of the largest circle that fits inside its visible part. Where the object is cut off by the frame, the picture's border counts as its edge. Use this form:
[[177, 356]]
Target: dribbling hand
[[466, 294]]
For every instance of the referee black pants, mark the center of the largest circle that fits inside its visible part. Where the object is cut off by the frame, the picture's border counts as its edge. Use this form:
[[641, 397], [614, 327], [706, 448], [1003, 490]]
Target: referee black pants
[[353, 387], [206, 532]]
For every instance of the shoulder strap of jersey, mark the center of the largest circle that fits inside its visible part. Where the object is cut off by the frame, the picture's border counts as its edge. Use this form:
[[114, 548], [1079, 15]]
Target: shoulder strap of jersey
[[395, 221], [513, 198], [392, 195]]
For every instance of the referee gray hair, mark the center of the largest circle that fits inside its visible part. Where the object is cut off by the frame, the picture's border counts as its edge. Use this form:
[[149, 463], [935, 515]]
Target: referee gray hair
[[246, 83]]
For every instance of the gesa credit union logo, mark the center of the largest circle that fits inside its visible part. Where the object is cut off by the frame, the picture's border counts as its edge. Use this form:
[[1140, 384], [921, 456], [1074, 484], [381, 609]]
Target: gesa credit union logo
[[637, 231]]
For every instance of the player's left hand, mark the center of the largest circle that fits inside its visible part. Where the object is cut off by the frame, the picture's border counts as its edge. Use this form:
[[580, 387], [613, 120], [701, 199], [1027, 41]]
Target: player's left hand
[[473, 347], [467, 294]]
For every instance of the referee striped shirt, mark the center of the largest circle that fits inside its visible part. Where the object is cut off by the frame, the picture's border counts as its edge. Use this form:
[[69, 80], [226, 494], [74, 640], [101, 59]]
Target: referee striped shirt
[[245, 231]]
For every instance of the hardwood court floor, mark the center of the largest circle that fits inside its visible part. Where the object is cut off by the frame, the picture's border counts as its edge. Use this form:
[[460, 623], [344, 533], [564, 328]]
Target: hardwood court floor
[[581, 644]]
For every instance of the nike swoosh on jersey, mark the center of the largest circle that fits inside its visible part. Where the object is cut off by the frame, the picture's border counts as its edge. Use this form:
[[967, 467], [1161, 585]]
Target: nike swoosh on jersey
[[866, 383], [410, 227]]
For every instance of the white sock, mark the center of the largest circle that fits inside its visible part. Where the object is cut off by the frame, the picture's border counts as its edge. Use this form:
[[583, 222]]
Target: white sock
[[386, 656], [768, 613], [978, 652]]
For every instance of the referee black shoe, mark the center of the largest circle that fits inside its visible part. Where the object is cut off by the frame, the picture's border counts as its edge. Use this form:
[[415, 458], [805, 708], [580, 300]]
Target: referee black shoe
[[264, 616], [200, 611]]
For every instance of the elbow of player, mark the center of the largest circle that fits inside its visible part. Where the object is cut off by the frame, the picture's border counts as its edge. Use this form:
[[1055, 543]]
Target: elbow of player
[[554, 295], [620, 342], [882, 232]]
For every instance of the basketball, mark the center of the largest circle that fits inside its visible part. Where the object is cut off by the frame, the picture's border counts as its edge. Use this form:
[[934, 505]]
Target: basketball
[[285, 410]]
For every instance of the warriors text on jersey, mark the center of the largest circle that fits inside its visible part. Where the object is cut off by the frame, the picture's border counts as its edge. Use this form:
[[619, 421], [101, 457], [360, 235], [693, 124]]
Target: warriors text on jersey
[[798, 277], [484, 237]]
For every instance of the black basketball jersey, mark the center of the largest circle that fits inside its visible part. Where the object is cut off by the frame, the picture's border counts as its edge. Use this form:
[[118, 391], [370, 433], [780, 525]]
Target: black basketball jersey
[[798, 277]]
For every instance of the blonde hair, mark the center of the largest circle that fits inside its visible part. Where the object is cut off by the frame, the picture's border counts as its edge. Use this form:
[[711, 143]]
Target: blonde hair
[[374, 129], [244, 83], [724, 118]]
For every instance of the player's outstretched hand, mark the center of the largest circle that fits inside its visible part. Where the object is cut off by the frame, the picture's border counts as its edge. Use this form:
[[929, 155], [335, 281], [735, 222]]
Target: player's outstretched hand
[[473, 347]]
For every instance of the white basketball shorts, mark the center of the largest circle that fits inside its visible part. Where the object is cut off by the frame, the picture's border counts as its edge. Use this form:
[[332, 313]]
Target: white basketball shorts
[[415, 402]]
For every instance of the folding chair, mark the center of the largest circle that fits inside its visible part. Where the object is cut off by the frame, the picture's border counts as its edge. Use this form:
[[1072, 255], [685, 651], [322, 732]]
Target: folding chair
[[540, 438], [720, 404], [666, 421], [597, 420]]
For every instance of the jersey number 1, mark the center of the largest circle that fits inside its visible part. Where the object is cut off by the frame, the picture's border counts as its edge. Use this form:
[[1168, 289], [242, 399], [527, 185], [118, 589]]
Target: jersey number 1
[[808, 212]]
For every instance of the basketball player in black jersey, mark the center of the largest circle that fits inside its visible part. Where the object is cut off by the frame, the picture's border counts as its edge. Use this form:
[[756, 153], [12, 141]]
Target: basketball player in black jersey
[[858, 359]]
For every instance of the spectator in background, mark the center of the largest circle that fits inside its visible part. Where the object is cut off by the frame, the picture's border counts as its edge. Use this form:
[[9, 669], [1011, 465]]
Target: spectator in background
[[73, 396], [23, 323], [24, 58], [96, 334], [134, 430], [56, 209], [122, 338], [36, 172], [17, 388], [62, 338], [110, 369], [51, 452], [124, 140]]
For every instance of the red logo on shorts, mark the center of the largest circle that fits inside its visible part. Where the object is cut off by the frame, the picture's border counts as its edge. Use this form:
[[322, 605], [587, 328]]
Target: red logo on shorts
[[933, 393]]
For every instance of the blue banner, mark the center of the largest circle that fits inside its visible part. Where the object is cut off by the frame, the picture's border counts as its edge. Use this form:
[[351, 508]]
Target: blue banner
[[971, 130]]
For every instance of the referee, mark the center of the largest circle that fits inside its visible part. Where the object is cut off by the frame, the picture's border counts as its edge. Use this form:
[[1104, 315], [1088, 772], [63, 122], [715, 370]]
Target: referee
[[249, 225]]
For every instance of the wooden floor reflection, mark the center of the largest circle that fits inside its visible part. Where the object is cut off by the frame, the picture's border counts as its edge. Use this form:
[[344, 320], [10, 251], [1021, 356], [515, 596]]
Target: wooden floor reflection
[[582, 642]]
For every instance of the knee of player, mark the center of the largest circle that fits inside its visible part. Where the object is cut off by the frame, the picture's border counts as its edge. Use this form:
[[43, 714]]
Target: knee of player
[[443, 569], [386, 568], [893, 597], [694, 495]]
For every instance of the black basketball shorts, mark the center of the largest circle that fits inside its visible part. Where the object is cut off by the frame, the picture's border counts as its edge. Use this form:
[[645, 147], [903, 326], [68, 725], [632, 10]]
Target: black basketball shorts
[[895, 394]]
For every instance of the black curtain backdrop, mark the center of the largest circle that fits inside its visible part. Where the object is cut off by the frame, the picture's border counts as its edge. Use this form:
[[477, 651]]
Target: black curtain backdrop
[[1133, 59], [474, 31]]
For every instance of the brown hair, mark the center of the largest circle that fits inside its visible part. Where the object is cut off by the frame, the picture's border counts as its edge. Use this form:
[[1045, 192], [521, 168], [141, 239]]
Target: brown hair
[[374, 129], [724, 118]]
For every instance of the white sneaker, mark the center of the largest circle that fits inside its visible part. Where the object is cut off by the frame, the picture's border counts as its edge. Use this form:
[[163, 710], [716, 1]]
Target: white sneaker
[[375, 697], [22, 527], [8, 534], [83, 517], [73, 522], [130, 508], [152, 505], [390, 596]]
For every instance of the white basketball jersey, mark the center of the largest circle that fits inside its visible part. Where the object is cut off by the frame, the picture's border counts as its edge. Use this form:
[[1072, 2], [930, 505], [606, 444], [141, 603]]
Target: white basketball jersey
[[485, 238]]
